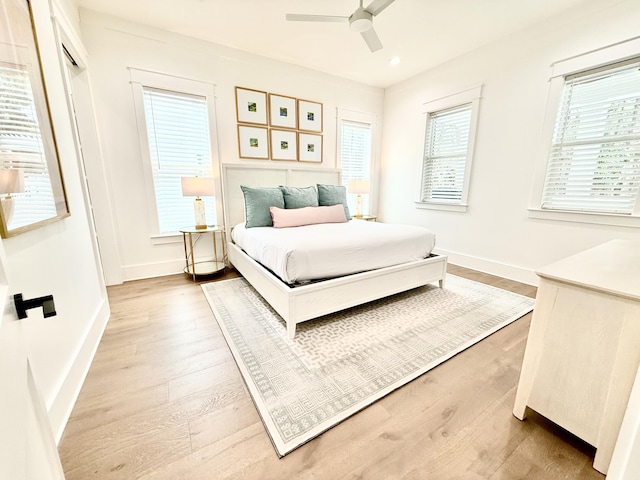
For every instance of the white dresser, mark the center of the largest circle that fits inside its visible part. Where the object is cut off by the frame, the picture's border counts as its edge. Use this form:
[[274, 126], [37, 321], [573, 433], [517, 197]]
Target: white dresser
[[583, 349]]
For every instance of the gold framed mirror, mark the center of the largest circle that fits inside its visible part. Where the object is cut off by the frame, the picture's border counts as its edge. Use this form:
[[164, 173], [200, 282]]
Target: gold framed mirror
[[32, 191]]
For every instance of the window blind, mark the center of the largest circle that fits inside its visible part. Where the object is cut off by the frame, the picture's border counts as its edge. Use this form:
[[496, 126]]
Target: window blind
[[21, 148], [445, 154], [594, 163], [179, 146], [355, 158]]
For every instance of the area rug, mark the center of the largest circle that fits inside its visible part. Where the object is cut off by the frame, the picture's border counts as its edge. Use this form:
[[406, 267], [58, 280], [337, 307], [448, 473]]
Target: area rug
[[341, 363]]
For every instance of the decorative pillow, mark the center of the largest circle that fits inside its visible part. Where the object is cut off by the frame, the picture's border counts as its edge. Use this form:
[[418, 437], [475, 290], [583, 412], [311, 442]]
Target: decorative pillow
[[257, 201], [332, 195], [296, 197], [296, 217]]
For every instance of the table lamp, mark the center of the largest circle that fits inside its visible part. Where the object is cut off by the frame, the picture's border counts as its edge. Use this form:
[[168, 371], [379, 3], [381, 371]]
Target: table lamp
[[197, 187], [11, 181], [358, 187]]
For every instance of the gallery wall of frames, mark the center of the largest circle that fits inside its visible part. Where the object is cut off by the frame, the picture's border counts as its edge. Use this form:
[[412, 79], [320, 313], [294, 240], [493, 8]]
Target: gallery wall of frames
[[278, 127]]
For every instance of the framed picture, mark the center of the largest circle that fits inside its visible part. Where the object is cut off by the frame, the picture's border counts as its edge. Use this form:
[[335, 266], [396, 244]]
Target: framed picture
[[309, 116], [253, 142], [251, 106], [284, 145], [282, 111], [309, 147]]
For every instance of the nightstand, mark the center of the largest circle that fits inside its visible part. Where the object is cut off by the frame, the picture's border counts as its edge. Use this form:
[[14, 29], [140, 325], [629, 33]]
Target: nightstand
[[367, 218], [204, 267]]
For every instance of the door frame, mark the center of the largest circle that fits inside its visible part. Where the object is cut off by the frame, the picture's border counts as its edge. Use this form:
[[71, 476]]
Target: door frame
[[96, 187]]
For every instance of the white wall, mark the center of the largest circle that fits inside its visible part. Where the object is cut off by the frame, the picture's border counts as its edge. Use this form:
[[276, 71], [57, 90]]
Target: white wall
[[114, 45], [495, 234], [59, 259]]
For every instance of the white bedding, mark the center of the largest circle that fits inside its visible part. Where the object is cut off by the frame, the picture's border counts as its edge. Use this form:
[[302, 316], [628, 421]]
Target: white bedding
[[312, 252]]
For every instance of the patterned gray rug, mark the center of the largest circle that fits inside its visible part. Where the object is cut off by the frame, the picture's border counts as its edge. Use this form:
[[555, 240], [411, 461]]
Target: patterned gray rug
[[341, 363]]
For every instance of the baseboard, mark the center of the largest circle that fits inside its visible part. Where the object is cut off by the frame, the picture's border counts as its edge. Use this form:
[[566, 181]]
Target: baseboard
[[158, 269], [151, 270], [65, 399], [512, 272]]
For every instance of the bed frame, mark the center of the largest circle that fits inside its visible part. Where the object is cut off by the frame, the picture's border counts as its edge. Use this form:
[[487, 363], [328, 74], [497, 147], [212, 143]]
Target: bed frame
[[301, 303]]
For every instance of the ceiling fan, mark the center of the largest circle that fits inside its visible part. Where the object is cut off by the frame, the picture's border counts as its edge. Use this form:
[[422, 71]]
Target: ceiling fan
[[359, 21]]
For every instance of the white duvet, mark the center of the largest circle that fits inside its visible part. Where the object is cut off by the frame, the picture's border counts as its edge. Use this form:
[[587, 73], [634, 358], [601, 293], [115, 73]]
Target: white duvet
[[311, 252]]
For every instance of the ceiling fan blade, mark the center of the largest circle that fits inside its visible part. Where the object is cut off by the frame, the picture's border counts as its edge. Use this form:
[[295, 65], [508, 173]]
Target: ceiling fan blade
[[377, 6], [295, 17], [372, 40]]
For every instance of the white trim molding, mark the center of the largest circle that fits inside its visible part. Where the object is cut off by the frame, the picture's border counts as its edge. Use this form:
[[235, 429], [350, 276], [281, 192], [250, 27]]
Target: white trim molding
[[145, 78], [611, 54], [473, 96]]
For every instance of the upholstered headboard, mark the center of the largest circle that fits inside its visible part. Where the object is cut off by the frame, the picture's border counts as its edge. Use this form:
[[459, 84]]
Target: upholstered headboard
[[253, 175]]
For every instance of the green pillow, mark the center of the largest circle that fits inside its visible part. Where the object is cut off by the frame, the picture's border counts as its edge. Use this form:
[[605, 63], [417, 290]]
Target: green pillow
[[332, 195], [257, 201], [297, 197]]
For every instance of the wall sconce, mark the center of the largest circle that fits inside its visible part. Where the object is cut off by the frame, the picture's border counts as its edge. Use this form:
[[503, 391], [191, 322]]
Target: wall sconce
[[359, 187], [11, 181], [197, 187]]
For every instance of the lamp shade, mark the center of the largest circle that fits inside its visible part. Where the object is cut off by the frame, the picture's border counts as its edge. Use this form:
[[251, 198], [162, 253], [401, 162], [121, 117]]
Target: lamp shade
[[11, 181], [197, 186], [358, 186]]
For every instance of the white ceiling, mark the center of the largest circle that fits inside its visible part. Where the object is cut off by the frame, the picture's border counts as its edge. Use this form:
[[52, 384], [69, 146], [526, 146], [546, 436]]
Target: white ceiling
[[423, 33]]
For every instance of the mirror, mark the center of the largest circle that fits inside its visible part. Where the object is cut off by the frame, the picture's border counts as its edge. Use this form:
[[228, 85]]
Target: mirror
[[31, 188]]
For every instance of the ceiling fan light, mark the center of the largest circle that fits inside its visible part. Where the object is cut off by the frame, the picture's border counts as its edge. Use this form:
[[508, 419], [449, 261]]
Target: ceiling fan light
[[360, 21]]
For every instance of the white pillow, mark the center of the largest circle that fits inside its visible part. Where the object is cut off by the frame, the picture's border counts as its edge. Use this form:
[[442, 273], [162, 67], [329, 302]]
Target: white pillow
[[296, 217]]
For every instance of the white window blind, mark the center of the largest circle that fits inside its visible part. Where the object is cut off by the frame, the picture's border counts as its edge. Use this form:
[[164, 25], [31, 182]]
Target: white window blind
[[179, 146], [445, 154], [21, 147], [355, 158], [594, 162]]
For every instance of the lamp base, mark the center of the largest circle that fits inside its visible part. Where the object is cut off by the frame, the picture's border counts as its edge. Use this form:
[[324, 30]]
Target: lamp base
[[198, 209], [358, 206]]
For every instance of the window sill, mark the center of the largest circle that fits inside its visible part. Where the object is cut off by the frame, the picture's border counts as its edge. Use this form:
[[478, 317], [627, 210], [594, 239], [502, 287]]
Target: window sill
[[446, 207], [632, 221]]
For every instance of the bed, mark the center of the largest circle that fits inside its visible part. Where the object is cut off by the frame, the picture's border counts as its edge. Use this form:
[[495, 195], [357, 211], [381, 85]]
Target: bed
[[299, 298]]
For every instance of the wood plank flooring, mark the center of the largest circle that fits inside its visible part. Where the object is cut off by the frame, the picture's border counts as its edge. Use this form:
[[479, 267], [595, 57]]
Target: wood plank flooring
[[165, 400]]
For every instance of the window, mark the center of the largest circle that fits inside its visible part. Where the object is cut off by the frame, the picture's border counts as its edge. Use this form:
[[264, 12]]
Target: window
[[594, 162], [588, 167], [176, 140], [445, 155], [356, 154], [448, 148], [178, 136]]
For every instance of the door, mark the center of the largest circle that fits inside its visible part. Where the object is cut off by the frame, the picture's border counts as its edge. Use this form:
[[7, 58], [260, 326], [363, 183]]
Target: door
[[27, 447]]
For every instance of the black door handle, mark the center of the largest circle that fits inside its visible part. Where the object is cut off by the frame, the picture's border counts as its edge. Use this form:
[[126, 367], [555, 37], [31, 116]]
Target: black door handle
[[46, 302]]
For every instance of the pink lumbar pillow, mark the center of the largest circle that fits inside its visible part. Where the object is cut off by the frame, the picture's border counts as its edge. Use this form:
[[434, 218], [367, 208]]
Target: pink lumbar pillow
[[297, 217]]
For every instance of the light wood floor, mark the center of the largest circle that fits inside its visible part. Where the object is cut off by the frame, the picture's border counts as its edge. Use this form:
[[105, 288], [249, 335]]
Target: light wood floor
[[165, 400]]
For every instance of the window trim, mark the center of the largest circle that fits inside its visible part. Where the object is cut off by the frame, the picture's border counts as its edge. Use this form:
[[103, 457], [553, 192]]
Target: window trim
[[146, 78], [602, 57], [470, 96]]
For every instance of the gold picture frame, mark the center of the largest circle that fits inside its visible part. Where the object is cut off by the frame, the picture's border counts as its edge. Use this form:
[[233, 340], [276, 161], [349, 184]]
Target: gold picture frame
[[309, 116], [309, 147], [251, 106], [284, 144], [283, 112], [32, 190], [253, 142]]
